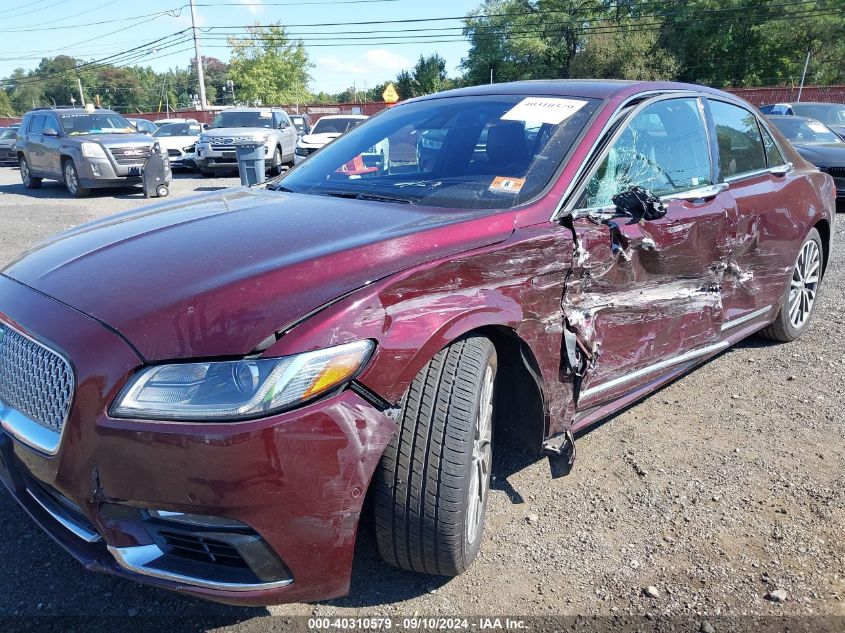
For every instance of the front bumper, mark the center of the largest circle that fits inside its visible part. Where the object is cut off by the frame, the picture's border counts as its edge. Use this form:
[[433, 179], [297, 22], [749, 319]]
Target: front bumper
[[101, 172], [209, 158], [295, 481]]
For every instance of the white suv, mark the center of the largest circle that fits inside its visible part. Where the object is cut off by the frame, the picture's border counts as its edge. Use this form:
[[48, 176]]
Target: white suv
[[272, 126]]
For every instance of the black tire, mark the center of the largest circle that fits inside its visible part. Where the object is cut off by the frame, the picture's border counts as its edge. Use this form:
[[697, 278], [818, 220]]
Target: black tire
[[206, 174], [424, 482], [276, 162], [786, 328], [29, 181], [71, 177]]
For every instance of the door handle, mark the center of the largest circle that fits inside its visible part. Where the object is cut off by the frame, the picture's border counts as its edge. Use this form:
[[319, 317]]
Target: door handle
[[698, 194]]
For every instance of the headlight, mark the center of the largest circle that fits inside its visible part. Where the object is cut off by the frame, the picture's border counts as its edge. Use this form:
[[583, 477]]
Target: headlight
[[300, 151], [232, 390], [93, 150]]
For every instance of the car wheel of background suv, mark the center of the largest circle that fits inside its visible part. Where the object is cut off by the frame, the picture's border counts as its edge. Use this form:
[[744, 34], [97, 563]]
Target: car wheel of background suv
[[29, 181], [72, 184], [801, 291], [432, 483], [276, 162]]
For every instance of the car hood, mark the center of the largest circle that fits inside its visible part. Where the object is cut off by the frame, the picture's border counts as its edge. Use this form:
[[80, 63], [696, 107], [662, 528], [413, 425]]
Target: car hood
[[237, 132], [175, 142], [822, 154], [8, 142], [319, 139], [116, 140], [216, 274]]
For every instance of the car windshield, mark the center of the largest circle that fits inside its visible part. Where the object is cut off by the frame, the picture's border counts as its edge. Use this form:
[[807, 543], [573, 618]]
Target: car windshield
[[8, 133], [334, 126], [830, 113], [490, 152], [177, 129], [800, 130], [97, 123], [298, 121], [253, 118]]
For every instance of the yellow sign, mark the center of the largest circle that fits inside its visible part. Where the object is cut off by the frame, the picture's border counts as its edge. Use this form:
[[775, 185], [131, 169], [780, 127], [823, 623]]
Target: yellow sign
[[390, 95]]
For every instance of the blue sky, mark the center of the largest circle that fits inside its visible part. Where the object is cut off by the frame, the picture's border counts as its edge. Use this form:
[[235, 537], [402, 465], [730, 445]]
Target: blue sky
[[39, 28]]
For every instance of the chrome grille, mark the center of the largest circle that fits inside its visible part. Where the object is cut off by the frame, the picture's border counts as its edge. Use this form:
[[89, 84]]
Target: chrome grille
[[130, 155], [34, 380], [836, 172], [227, 143]]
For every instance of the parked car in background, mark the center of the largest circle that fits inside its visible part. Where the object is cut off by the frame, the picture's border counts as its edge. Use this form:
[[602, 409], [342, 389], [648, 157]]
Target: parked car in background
[[84, 148], [271, 126], [202, 393], [302, 123], [816, 143], [180, 141], [175, 120], [831, 114], [8, 138], [326, 129], [143, 125]]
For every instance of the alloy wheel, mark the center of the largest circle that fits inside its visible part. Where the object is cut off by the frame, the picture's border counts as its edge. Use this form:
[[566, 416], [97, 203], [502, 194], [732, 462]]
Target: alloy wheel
[[804, 284], [71, 181], [482, 457]]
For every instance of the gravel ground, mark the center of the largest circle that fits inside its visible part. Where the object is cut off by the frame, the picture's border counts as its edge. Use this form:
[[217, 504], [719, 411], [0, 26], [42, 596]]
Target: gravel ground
[[722, 494]]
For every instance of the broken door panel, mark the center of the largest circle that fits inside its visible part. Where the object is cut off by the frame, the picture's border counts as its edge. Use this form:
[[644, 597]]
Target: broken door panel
[[644, 293]]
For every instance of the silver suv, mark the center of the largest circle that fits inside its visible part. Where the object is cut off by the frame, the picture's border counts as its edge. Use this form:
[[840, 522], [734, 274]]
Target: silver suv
[[272, 126], [83, 148]]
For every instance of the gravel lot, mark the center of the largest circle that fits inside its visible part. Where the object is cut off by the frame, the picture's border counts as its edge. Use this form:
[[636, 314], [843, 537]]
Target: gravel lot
[[720, 495]]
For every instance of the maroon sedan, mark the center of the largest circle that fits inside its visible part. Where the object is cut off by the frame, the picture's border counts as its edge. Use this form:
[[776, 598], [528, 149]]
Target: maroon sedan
[[200, 394]]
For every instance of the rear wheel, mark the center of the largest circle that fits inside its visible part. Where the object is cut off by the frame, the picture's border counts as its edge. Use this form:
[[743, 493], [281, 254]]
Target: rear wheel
[[72, 184], [276, 162], [432, 484], [206, 174], [29, 181], [801, 292]]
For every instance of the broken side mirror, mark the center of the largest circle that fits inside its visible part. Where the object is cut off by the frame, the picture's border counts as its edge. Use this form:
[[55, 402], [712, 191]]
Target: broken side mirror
[[639, 204]]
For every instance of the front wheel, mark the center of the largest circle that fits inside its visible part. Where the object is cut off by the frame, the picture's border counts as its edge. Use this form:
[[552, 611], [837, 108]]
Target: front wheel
[[72, 183], [801, 292], [432, 483], [276, 162]]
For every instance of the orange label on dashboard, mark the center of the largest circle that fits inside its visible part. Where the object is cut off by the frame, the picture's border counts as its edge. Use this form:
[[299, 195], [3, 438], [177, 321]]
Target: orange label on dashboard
[[502, 184]]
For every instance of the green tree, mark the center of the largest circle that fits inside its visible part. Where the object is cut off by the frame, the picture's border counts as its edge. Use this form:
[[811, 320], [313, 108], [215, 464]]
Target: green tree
[[405, 85], [430, 75], [623, 54], [268, 67], [6, 108]]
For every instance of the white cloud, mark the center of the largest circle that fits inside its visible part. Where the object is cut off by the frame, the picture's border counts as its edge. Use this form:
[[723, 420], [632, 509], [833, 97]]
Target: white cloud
[[374, 60], [253, 6], [383, 59]]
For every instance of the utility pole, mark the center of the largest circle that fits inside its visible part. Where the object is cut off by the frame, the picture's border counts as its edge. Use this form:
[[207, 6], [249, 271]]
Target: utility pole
[[200, 75], [81, 96], [491, 75], [804, 74]]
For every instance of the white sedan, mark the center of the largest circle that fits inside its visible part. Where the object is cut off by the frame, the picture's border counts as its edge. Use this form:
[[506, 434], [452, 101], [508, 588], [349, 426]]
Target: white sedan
[[326, 129], [180, 140]]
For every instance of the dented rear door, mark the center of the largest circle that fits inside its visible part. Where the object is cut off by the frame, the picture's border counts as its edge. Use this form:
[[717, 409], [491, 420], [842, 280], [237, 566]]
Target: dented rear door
[[645, 297]]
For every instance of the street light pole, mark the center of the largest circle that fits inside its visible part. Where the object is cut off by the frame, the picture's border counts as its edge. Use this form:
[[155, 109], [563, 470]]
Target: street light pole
[[200, 74], [804, 74]]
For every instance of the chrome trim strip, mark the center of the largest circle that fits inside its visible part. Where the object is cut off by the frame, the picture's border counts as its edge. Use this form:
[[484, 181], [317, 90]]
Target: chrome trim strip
[[664, 364], [28, 431], [78, 530], [139, 559], [727, 325]]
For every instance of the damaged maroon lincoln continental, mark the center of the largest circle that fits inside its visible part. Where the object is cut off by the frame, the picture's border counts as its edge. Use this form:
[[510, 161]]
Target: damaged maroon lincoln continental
[[200, 394]]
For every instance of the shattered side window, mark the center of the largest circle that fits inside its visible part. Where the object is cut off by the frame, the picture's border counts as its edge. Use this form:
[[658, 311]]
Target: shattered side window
[[663, 149]]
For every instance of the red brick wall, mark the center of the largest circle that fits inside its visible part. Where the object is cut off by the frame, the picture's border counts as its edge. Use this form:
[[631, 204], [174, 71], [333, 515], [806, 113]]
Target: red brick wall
[[785, 94]]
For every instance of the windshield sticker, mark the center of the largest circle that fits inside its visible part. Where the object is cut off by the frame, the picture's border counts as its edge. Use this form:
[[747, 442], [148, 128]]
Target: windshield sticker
[[550, 110], [502, 184], [817, 127]]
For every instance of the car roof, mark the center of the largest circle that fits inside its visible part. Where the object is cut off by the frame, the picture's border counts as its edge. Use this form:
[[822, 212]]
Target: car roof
[[786, 117], [344, 116], [800, 103], [589, 88]]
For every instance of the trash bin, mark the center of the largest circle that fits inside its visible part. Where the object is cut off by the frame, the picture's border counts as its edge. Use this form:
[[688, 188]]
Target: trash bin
[[156, 174], [250, 161]]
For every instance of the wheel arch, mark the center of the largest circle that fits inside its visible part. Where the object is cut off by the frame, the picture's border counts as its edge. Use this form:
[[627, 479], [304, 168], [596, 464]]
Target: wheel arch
[[823, 227]]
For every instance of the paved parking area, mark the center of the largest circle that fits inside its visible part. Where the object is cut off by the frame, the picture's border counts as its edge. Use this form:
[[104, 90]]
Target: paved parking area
[[716, 491]]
